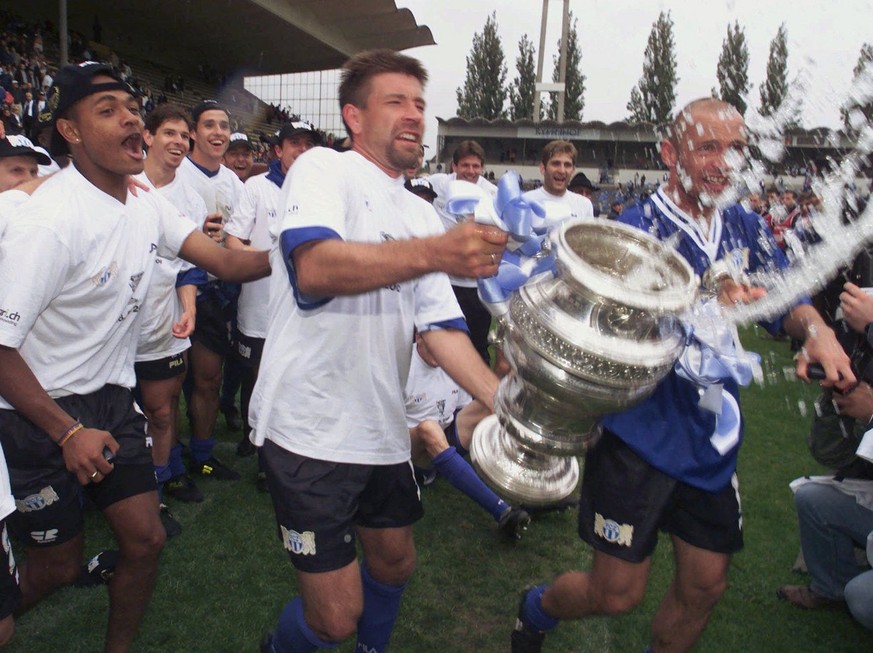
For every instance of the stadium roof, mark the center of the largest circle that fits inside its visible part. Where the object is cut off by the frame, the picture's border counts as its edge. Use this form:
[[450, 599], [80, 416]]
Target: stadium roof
[[241, 36]]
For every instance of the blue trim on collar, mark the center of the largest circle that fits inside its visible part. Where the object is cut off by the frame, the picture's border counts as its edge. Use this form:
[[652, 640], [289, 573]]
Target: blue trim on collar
[[275, 173], [208, 173]]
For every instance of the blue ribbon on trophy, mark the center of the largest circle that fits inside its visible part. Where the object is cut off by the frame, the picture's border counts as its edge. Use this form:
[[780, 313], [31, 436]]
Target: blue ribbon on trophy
[[528, 253], [712, 354]]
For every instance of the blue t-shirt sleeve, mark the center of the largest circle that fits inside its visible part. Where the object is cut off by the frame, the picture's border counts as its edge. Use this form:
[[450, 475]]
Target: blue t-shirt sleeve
[[290, 240]]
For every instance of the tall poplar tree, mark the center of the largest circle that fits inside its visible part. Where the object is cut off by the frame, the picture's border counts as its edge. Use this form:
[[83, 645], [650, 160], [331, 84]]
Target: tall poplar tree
[[653, 97], [484, 91], [523, 87], [775, 86], [733, 68], [864, 66]]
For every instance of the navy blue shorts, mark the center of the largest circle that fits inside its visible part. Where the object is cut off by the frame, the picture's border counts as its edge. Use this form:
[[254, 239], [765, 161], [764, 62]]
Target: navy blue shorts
[[625, 503], [319, 503], [48, 498]]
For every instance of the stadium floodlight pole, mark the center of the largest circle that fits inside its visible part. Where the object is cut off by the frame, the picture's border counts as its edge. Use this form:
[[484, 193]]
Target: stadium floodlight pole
[[562, 68], [62, 29], [540, 54]]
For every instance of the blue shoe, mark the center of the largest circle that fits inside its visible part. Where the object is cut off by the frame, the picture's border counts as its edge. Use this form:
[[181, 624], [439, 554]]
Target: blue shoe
[[524, 638]]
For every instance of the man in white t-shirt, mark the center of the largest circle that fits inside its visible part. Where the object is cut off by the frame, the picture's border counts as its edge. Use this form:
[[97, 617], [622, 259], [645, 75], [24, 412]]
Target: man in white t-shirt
[[260, 208], [468, 164], [557, 166], [358, 265], [221, 190], [75, 266], [169, 314], [10, 592], [441, 419]]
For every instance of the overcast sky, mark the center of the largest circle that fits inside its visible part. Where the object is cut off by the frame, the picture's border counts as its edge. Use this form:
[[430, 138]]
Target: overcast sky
[[824, 40]]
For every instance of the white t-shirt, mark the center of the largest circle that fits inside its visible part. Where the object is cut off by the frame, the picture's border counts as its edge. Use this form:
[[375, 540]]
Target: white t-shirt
[[431, 394], [9, 202], [220, 192], [162, 307], [7, 500], [75, 266], [259, 208], [332, 375], [441, 182], [576, 206]]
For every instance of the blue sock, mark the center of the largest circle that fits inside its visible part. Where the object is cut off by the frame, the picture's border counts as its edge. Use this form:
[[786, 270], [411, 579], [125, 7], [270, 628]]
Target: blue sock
[[177, 467], [162, 475], [381, 605], [201, 449], [463, 477], [533, 612], [293, 634]]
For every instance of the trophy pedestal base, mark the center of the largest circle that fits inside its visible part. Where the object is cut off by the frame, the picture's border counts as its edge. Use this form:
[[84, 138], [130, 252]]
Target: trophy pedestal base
[[517, 473]]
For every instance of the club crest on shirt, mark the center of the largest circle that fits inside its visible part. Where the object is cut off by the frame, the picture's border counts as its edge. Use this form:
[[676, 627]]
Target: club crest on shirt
[[105, 275], [298, 543], [612, 531]]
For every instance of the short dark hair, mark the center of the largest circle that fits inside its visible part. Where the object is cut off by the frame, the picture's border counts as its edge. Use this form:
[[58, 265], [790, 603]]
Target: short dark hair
[[553, 148], [164, 112], [468, 148], [358, 71]]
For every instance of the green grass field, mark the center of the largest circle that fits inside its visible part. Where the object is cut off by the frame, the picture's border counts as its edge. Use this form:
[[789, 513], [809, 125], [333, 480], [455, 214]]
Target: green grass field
[[225, 579]]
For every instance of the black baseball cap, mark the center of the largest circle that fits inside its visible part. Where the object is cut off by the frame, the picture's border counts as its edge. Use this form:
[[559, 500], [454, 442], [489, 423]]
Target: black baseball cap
[[8, 148], [207, 105], [238, 139], [71, 84], [420, 186], [580, 180], [293, 128]]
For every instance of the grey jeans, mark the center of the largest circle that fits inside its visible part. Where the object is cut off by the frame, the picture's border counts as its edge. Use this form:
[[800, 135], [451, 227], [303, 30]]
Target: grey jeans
[[832, 524]]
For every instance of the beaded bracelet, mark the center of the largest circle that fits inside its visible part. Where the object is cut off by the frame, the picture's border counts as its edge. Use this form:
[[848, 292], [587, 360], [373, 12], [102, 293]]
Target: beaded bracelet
[[70, 432]]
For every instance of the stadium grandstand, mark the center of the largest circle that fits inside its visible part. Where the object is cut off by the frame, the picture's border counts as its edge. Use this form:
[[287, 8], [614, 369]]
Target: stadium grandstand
[[187, 52]]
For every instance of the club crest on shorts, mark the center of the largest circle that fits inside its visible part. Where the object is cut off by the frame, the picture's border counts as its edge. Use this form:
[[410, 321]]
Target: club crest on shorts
[[46, 497], [612, 531], [298, 543]]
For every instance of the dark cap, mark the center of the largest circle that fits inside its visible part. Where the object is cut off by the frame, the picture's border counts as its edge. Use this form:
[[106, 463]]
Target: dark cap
[[20, 148], [207, 105], [294, 127], [238, 139], [420, 186], [618, 199], [579, 180], [71, 84]]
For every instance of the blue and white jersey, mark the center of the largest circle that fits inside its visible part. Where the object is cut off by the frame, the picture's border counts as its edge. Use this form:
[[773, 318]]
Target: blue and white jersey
[[669, 429]]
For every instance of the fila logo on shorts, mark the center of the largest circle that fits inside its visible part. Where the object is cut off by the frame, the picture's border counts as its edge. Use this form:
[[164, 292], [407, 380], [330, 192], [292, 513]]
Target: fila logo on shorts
[[44, 537]]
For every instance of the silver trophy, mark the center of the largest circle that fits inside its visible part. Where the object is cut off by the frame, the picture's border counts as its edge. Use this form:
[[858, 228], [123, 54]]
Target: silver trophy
[[594, 339]]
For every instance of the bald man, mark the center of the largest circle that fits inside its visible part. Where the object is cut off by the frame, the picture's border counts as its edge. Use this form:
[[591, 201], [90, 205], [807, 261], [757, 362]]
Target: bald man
[[668, 463]]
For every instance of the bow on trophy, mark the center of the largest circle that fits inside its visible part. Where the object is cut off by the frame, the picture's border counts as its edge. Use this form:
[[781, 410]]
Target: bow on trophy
[[589, 315]]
